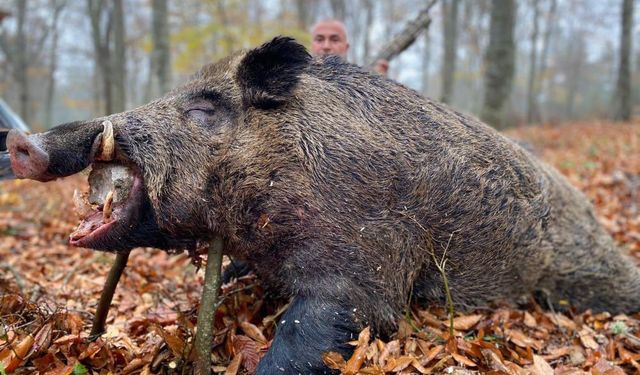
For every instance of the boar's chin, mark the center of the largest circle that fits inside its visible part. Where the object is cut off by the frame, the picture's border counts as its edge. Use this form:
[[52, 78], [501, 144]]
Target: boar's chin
[[112, 210]]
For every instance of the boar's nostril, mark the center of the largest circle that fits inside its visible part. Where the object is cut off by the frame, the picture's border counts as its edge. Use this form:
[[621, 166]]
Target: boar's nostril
[[28, 160], [22, 153]]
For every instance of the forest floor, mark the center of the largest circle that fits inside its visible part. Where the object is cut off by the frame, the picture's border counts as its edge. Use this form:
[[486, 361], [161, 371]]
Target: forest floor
[[49, 291]]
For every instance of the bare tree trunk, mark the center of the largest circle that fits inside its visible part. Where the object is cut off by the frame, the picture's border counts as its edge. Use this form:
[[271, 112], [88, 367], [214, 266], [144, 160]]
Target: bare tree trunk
[[160, 78], [622, 98], [101, 49], [304, 14], [405, 38], [107, 66], [96, 92], [366, 41], [533, 59], [228, 38], [53, 62], [119, 72], [21, 61], [473, 20], [500, 62], [577, 56], [339, 9], [450, 10], [426, 61], [546, 42]]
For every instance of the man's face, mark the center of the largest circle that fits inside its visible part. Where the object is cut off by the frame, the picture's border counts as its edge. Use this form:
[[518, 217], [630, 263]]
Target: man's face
[[329, 38]]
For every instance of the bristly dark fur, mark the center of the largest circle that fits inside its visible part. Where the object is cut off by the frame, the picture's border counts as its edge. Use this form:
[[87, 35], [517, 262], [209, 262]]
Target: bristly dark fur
[[338, 187], [268, 74]]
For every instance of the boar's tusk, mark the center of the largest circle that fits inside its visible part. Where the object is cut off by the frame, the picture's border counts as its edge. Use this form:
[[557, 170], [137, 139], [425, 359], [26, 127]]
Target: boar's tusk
[[80, 203], [107, 209], [107, 146]]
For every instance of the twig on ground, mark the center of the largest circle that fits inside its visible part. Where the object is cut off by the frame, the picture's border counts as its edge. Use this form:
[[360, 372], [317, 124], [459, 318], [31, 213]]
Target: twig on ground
[[35, 295], [553, 313], [16, 276], [441, 265]]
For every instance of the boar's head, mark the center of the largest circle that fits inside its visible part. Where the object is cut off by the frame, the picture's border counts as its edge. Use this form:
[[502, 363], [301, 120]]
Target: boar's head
[[189, 153]]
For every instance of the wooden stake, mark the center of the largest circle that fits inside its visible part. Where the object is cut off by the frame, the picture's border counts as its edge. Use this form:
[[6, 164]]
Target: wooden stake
[[208, 303], [109, 289]]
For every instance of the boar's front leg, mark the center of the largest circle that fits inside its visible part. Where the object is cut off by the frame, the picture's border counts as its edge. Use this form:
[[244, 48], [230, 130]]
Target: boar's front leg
[[310, 326]]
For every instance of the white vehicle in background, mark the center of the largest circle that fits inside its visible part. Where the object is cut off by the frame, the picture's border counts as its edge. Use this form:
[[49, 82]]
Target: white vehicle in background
[[8, 120]]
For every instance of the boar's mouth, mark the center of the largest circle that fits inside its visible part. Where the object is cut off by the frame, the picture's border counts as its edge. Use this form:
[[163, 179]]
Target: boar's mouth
[[110, 209]]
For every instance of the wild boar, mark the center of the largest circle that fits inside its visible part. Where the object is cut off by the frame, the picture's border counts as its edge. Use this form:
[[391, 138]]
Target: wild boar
[[339, 188]]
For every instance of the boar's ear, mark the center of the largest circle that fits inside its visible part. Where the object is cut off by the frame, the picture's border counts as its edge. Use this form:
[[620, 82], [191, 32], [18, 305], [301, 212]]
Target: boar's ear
[[268, 75]]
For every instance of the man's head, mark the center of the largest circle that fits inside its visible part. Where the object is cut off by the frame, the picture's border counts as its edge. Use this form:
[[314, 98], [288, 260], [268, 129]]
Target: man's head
[[329, 37]]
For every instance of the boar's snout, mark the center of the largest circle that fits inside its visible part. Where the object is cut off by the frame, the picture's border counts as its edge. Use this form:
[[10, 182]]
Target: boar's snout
[[28, 159]]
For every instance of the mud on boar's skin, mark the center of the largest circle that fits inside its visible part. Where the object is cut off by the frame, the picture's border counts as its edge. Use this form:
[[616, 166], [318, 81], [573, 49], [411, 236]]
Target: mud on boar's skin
[[335, 186]]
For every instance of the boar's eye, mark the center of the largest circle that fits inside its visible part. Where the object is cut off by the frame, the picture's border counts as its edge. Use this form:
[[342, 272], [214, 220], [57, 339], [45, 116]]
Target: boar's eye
[[202, 111], [209, 109], [201, 114]]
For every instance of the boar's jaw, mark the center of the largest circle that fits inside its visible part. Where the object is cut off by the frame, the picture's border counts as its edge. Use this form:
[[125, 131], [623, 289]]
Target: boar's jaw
[[108, 223], [123, 218]]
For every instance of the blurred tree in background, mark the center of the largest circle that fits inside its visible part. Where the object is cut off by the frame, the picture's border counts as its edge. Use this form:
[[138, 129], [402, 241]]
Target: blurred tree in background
[[450, 32], [572, 59], [622, 99], [500, 62], [160, 66]]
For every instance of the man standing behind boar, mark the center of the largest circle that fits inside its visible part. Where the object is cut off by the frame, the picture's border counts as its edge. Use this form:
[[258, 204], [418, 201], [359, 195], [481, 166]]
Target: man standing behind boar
[[329, 37]]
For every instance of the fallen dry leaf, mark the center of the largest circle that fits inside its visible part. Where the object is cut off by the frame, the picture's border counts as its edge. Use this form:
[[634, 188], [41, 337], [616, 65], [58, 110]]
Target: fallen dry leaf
[[432, 354], [249, 350], [463, 360], [603, 367], [587, 339], [466, 322], [334, 360], [529, 320], [540, 366], [459, 371], [522, 340], [556, 353], [404, 329], [253, 331], [234, 365], [494, 361], [173, 340], [359, 354], [13, 355], [372, 370], [42, 340], [65, 370], [134, 365], [398, 364], [391, 349]]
